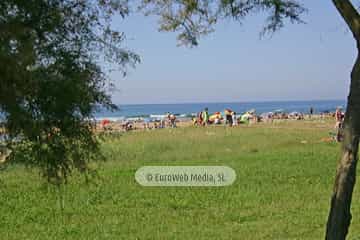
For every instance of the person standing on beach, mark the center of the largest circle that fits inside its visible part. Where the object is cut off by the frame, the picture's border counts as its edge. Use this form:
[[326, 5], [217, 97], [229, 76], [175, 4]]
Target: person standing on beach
[[199, 120], [172, 120], [311, 111], [339, 117], [205, 117], [228, 117], [234, 119]]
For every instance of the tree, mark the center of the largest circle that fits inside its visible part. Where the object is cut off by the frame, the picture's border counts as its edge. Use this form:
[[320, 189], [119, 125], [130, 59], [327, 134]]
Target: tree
[[51, 80], [195, 18]]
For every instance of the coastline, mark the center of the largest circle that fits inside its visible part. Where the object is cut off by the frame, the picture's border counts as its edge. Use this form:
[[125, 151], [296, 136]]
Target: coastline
[[139, 125], [134, 112]]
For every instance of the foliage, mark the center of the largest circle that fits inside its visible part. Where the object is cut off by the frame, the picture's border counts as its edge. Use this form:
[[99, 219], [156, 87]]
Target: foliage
[[195, 18], [51, 80]]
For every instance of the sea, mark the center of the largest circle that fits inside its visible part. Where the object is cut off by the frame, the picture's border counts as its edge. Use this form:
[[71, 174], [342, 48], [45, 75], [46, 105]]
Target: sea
[[154, 111]]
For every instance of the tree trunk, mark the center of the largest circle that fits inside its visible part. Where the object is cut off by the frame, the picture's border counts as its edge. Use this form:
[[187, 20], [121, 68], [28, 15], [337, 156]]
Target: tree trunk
[[340, 217]]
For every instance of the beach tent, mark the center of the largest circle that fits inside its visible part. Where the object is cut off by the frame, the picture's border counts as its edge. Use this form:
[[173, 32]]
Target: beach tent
[[216, 115], [245, 117], [215, 118]]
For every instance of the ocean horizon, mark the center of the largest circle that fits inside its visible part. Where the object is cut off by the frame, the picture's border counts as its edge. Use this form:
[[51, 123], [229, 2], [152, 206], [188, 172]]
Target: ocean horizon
[[149, 110]]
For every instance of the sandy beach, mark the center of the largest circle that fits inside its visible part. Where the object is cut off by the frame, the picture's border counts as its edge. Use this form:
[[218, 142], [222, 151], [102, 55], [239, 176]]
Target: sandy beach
[[139, 125]]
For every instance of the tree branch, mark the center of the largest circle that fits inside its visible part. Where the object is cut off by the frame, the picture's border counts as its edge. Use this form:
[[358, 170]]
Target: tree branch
[[350, 15]]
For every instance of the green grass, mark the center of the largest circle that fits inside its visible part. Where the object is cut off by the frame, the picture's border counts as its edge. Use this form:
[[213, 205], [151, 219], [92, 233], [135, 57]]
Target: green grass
[[282, 191]]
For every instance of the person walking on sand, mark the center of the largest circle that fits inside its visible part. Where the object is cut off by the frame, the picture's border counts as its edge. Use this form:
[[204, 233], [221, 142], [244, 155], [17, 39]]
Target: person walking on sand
[[205, 117]]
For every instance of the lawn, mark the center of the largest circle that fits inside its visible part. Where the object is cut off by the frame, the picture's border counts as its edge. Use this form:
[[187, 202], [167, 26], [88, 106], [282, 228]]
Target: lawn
[[282, 191]]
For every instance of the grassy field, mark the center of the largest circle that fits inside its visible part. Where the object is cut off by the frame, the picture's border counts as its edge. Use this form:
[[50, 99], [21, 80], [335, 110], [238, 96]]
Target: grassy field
[[282, 191]]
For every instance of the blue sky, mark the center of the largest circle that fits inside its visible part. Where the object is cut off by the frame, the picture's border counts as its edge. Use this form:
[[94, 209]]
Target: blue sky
[[300, 62]]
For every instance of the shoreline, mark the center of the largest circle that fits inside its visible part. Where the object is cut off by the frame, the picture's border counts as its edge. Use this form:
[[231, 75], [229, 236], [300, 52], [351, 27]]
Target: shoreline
[[188, 110], [139, 125]]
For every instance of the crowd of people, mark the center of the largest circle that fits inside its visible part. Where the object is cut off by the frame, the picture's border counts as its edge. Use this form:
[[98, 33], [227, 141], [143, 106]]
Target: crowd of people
[[227, 117], [231, 118]]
